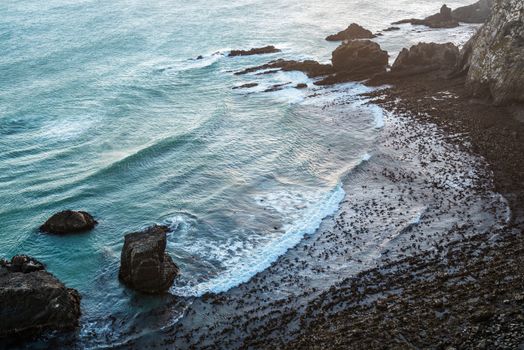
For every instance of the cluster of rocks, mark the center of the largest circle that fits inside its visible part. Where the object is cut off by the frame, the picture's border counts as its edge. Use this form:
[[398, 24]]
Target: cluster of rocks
[[33, 300], [478, 12]]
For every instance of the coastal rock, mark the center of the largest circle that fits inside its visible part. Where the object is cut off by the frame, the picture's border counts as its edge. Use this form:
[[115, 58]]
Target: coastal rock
[[311, 68], [301, 86], [144, 265], [478, 12], [425, 57], [494, 58], [245, 86], [443, 19], [32, 299], [354, 31], [254, 51], [69, 221], [359, 59]]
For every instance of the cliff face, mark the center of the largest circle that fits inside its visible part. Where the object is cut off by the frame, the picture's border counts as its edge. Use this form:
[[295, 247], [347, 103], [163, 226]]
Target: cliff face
[[494, 57]]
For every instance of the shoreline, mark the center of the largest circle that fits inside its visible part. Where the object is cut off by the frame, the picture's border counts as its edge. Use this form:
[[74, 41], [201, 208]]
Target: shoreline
[[276, 304]]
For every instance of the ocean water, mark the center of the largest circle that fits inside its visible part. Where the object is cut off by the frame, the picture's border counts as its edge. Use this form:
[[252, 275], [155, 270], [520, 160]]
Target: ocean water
[[104, 108]]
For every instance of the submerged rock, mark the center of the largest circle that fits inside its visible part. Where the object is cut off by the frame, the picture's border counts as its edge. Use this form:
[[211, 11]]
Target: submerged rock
[[144, 265], [245, 86], [311, 68], [443, 19], [32, 299], [354, 31], [425, 57], [254, 51], [478, 12], [494, 58], [69, 221]]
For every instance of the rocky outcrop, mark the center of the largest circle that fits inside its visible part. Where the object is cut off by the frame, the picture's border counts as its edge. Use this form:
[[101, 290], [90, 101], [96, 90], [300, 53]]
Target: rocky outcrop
[[425, 57], [443, 19], [354, 31], [254, 51], [311, 68], [478, 12], [494, 58], [144, 265], [69, 221], [245, 86], [360, 58], [32, 299]]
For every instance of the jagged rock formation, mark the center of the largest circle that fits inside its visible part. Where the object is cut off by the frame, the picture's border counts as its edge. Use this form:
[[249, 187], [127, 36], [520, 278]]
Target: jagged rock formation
[[354, 31], [144, 265], [494, 58], [254, 51], [32, 299], [69, 221], [443, 19], [425, 57], [478, 12]]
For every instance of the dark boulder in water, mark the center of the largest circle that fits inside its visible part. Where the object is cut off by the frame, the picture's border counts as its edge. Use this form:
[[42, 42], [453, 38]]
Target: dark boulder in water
[[478, 12], [443, 19], [245, 86], [69, 221], [301, 86], [144, 265], [425, 57], [254, 51], [33, 300], [354, 31]]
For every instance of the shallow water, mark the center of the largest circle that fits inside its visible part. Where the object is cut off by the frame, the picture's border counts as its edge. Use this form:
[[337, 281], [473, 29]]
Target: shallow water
[[104, 108]]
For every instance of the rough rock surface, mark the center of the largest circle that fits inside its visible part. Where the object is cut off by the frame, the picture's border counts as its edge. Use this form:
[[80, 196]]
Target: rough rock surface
[[443, 19], [354, 31], [426, 57], [494, 57], [69, 221], [254, 51], [478, 12], [144, 265], [359, 59], [32, 299]]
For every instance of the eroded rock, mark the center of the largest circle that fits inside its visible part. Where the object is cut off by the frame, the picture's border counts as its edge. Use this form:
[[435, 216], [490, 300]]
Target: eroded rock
[[443, 19], [33, 300], [354, 31], [69, 221], [478, 12], [425, 57], [254, 51], [144, 265]]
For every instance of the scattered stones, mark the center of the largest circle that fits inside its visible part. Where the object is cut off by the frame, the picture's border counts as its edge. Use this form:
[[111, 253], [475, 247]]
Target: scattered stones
[[354, 31], [254, 51], [144, 265], [69, 221], [33, 300]]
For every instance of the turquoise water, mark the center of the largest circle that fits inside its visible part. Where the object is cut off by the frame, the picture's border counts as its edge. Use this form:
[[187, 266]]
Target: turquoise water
[[104, 108]]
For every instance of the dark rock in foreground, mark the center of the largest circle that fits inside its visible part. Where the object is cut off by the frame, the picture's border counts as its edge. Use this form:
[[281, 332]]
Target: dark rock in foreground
[[354, 31], [301, 86], [32, 299], [478, 12], [254, 51], [443, 19], [425, 57], [69, 221], [144, 265], [494, 58]]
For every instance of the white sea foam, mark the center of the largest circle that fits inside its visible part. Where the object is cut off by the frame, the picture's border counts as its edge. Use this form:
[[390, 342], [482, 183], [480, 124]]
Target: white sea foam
[[243, 260]]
